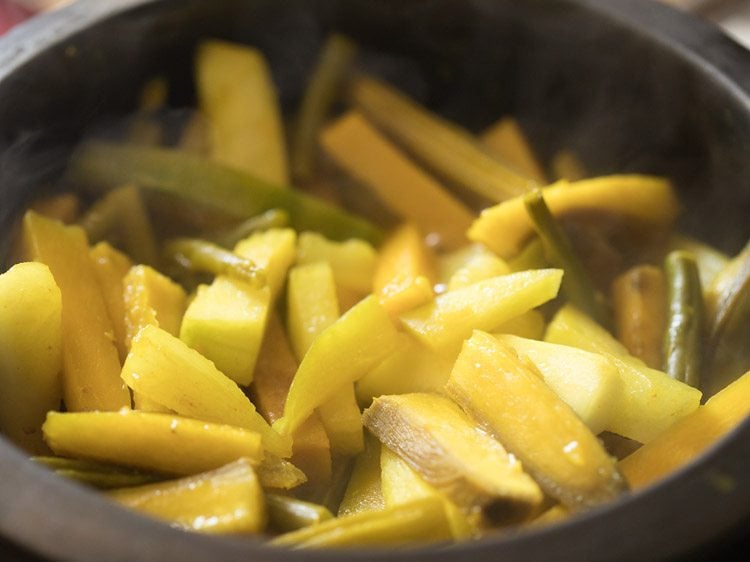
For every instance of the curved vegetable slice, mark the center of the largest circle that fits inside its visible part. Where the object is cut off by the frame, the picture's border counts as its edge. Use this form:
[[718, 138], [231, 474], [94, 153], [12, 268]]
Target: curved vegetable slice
[[511, 399], [30, 352], [286, 513], [160, 442], [640, 201], [439, 441], [167, 371], [228, 500], [419, 521], [340, 355], [445, 322], [650, 401], [102, 165]]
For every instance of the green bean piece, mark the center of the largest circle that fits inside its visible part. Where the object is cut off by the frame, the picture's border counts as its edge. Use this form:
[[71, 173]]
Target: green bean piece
[[576, 284], [320, 95], [421, 520], [99, 475], [272, 218], [100, 165], [201, 256], [289, 514], [123, 212], [682, 337]]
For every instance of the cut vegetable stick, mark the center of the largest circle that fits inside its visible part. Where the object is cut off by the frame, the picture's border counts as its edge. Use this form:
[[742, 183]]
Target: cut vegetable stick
[[686, 439], [639, 299], [401, 484], [342, 419], [237, 95], [63, 207], [151, 298], [445, 147], [364, 492], [650, 400], [419, 521], [91, 364], [110, 268], [228, 500], [342, 354], [405, 271], [272, 250], [506, 140], [368, 156], [30, 352], [510, 398], [450, 318], [451, 452], [641, 201], [529, 325], [311, 450], [150, 441], [166, 370], [587, 382], [287, 513]]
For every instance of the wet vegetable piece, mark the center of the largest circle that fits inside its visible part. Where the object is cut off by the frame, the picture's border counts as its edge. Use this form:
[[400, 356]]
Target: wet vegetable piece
[[556, 448], [165, 370], [361, 150], [587, 382], [689, 437], [685, 314], [342, 354], [641, 202], [650, 401], [445, 322], [639, 306], [237, 95], [91, 363], [228, 500], [289, 514], [507, 141], [439, 441], [364, 491], [104, 476], [159, 442], [99, 166], [419, 521], [445, 147], [30, 352]]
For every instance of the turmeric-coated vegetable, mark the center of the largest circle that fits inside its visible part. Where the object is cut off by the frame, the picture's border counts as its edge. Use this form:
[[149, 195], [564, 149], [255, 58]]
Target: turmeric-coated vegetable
[[508, 396]]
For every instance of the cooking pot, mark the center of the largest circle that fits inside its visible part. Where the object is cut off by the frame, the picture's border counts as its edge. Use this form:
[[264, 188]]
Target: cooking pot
[[630, 85]]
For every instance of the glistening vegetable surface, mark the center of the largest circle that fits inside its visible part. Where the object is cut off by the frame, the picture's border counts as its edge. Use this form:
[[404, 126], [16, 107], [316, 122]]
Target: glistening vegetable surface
[[434, 309]]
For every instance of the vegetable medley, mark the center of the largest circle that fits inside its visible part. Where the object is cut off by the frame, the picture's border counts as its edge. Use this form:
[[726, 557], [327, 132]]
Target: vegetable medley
[[363, 359]]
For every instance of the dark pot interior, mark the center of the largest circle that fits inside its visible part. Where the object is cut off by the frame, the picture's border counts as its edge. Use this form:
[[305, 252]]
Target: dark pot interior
[[630, 85]]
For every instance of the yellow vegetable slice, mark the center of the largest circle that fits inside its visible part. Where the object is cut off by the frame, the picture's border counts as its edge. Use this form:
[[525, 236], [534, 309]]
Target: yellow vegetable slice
[[342, 419], [110, 268], [91, 363], [450, 318], [372, 159], [405, 272], [151, 441], [506, 139], [507, 395], [30, 352], [151, 299], [238, 97], [419, 521], [587, 382], [689, 437], [352, 261], [401, 484], [274, 251], [439, 441], [228, 500], [650, 400], [340, 355], [364, 491], [167, 371], [637, 201]]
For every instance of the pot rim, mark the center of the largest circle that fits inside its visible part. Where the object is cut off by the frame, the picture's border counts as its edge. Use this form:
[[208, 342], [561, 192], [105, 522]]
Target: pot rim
[[100, 530]]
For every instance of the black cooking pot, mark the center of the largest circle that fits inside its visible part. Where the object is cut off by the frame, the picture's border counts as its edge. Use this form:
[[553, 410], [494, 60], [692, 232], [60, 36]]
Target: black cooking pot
[[629, 84]]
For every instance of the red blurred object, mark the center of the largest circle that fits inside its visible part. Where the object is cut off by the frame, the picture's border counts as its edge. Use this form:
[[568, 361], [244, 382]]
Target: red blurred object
[[11, 14]]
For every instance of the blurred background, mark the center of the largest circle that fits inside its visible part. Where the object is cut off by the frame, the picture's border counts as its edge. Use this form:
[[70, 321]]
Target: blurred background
[[732, 15]]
